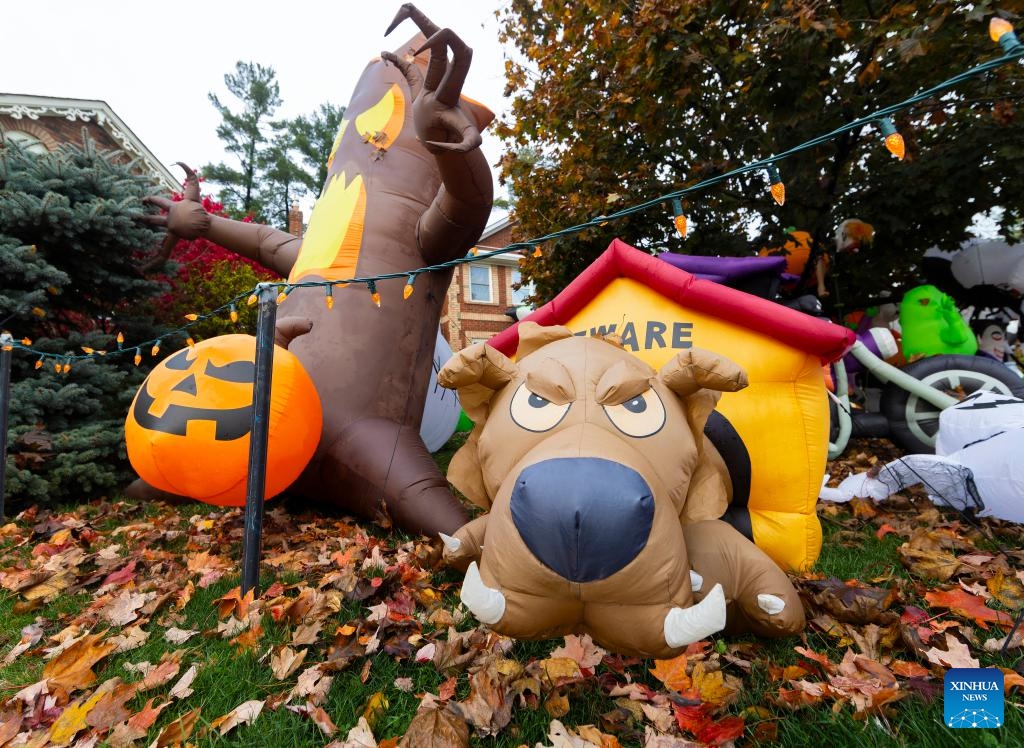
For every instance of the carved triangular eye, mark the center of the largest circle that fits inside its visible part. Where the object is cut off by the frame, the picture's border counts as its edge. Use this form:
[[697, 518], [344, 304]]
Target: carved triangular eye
[[179, 361], [243, 372]]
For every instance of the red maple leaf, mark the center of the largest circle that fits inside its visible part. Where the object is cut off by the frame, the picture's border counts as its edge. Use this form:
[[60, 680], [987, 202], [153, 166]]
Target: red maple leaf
[[966, 605]]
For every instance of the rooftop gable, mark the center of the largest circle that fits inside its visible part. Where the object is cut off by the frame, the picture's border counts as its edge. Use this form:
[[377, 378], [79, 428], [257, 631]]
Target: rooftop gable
[[25, 106], [801, 331]]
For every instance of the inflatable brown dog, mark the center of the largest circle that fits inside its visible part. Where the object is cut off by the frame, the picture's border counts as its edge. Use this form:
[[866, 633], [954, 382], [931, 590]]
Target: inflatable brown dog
[[602, 494], [407, 187]]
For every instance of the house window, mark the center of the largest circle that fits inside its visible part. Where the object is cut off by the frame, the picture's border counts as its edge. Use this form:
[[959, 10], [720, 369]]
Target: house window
[[480, 283], [29, 142], [519, 295]]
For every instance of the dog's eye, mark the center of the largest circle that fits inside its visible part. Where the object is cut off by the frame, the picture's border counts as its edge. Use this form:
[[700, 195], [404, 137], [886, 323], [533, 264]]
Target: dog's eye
[[639, 416], [534, 413]]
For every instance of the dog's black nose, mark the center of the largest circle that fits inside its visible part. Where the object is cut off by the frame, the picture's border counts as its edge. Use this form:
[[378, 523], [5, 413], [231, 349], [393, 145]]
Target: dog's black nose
[[583, 517]]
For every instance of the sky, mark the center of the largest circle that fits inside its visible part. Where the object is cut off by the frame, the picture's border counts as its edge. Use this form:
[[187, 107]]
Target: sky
[[154, 64]]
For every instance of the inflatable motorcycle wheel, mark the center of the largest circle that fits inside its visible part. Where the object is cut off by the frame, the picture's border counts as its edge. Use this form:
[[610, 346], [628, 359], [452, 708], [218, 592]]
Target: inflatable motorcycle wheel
[[914, 423]]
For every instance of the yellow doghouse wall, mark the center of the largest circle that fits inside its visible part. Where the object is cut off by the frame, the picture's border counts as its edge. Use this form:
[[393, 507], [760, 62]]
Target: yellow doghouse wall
[[782, 416]]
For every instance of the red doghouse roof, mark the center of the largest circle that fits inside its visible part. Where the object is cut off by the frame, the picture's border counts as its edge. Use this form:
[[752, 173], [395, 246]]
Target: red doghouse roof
[[826, 340]]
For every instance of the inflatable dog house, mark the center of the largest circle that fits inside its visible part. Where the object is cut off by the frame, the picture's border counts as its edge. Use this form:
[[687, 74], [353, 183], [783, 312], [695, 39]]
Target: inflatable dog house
[[603, 495], [773, 435]]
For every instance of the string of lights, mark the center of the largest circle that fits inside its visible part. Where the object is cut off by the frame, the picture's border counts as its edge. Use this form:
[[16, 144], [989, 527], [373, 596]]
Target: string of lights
[[999, 30]]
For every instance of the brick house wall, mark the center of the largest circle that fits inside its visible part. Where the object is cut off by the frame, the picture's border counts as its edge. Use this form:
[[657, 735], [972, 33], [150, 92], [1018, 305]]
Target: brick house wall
[[466, 320], [52, 121]]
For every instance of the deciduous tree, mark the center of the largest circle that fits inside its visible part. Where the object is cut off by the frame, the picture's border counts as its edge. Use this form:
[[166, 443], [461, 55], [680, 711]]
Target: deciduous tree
[[630, 101]]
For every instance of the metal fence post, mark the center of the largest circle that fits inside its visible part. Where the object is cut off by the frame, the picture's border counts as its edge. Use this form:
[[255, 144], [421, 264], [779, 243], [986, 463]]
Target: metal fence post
[[258, 438], [5, 408]]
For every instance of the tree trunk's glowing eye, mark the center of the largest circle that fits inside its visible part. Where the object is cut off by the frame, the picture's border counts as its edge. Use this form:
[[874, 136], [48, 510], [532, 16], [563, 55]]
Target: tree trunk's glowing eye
[[534, 413], [639, 416]]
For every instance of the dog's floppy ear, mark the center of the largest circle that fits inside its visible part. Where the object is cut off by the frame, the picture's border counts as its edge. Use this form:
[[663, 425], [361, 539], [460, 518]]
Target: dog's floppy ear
[[477, 373], [698, 376], [695, 368]]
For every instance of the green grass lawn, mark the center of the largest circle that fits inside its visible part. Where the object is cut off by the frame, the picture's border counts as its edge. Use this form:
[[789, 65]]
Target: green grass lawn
[[330, 575]]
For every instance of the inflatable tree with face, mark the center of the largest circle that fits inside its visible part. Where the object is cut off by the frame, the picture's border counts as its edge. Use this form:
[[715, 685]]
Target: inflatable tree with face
[[407, 187]]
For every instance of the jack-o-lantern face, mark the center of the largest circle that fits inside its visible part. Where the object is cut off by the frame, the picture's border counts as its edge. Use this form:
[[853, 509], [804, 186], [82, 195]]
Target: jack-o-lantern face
[[188, 429], [179, 404]]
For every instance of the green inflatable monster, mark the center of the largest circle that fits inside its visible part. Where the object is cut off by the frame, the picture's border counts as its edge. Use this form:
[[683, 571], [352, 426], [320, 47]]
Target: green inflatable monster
[[931, 324]]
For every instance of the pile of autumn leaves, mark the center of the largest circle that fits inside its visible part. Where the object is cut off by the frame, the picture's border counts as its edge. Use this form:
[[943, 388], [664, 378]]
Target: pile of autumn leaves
[[141, 577]]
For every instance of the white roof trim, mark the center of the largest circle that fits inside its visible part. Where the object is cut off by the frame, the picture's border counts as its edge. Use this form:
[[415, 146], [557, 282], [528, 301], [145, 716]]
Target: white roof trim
[[20, 106]]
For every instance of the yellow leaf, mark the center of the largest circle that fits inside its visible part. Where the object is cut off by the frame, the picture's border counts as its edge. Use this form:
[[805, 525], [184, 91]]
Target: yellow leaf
[[72, 719], [713, 686], [376, 708], [557, 705], [557, 670], [1007, 590]]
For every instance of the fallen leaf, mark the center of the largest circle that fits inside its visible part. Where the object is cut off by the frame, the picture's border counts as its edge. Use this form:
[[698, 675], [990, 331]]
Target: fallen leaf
[[558, 671], [376, 707], [284, 661], [852, 602], [435, 728], [359, 736], [562, 737], [1008, 590], [659, 715], [672, 673], [72, 668], [111, 709], [178, 731], [692, 718], [826, 664], [715, 687], [582, 650], [73, 719], [909, 669], [322, 720], [957, 654], [966, 605], [721, 732], [928, 564], [126, 733], [556, 704], [446, 690], [178, 636], [652, 740], [488, 707], [11, 718], [997, 644], [162, 672], [130, 638], [312, 685], [182, 688], [123, 575], [243, 714], [1011, 679], [884, 530], [234, 603], [30, 634]]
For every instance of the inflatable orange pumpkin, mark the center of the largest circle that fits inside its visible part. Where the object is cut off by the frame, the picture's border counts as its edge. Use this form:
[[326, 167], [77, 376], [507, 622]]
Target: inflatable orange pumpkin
[[188, 428]]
